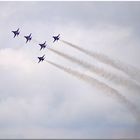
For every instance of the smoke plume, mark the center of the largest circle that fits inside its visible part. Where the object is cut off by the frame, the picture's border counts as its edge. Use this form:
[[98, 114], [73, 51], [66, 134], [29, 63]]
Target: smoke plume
[[119, 80], [102, 86], [131, 71]]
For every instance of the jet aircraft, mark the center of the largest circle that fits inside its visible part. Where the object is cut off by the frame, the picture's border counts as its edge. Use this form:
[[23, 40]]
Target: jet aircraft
[[28, 38], [16, 33], [41, 58], [43, 46], [56, 38]]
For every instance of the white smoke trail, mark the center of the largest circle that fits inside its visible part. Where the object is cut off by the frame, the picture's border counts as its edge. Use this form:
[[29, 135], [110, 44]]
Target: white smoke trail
[[102, 86], [119, 80], [131, 71]]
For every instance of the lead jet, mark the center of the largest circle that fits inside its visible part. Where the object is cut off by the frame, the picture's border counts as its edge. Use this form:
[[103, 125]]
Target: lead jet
[[43, 46], [41, 58], [16, 33], [56, 38], [28, 38]]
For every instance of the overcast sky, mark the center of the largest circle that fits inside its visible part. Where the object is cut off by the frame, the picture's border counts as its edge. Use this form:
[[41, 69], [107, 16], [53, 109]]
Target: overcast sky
[[41, 101]]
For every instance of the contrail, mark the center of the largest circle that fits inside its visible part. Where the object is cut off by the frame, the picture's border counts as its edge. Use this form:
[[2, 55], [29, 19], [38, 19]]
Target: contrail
[[107, 89], [131, 71], [119, 80]]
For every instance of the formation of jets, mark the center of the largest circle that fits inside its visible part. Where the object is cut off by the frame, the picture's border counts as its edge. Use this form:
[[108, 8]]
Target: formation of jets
[[16, 33], [42, 46], [28, 38], [56, 38], [41, 58]]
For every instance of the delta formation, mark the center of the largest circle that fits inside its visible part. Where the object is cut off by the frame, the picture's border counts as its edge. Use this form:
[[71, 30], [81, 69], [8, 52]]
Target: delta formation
[[42, 46]]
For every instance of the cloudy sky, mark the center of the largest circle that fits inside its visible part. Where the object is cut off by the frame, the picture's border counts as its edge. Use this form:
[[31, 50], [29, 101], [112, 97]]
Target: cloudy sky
[[42, 101]]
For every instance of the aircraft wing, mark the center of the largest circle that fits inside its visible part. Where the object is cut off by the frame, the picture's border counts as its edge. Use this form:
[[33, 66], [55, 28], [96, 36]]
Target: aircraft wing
[[14, 35], [39, 61], [40, 48], [54, 40]]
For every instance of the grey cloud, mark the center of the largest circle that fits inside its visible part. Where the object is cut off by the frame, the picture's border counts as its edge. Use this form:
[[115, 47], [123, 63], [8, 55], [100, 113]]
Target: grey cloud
[[122, 13], [43, 100]]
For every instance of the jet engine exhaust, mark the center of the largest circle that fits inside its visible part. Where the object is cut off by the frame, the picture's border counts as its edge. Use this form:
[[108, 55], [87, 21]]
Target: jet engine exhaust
[[119, 80], [131, 71], [102, 86]]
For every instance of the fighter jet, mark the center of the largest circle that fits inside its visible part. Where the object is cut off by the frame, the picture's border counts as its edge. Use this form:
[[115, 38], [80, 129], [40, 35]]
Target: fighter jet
[[28, 38], [43, 46], [56, 38], [41, 58], [16, 33]]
